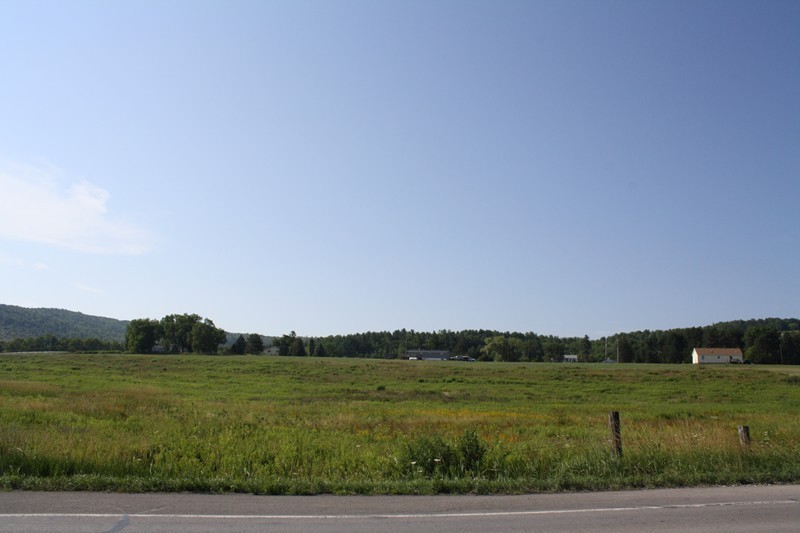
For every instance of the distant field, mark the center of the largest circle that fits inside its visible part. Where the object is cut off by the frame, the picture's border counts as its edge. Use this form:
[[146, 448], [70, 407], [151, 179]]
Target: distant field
[[303, 426]]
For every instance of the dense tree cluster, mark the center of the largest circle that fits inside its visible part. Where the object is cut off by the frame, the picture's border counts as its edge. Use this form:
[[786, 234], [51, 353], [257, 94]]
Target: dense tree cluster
[[291, 345], [174, 334], [51, 343], [253, 344]]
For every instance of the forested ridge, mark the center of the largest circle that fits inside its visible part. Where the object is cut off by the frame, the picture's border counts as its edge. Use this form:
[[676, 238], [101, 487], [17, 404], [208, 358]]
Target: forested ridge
[[24, 323]]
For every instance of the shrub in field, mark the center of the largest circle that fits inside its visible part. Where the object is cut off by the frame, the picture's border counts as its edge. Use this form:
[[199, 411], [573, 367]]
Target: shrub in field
[[427, 455], [471, 450], [432, 455]]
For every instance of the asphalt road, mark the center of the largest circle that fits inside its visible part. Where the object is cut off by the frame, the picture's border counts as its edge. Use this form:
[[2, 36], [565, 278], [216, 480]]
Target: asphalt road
[[729, 509]]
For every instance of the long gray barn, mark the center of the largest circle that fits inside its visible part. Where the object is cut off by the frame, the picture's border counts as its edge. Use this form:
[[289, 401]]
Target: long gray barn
[[428, 355]]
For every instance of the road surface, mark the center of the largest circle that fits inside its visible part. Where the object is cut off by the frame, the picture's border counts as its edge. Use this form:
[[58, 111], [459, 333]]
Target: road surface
[[774, 508]]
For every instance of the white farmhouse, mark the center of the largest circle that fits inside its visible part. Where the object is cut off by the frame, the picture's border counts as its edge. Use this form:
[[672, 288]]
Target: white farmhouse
[[702, 356]]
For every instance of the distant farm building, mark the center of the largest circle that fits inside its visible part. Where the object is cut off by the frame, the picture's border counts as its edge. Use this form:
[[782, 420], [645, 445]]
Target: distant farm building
[[428, 355], [570, 358], [703, 356]]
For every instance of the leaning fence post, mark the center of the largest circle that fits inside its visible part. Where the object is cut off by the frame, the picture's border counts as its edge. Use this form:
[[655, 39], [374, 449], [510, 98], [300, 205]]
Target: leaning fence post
[[616, 433], [744, 437]]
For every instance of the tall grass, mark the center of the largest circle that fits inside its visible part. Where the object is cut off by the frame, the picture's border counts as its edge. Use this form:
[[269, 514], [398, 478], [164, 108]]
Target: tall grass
[[303, 426]]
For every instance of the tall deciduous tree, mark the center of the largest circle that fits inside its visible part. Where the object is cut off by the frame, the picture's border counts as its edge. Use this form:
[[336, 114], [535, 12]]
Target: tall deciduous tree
[[763, 344], [290, 345], [312, 346], [320, 350], [177, 332], [142, 335], [239, 346], [298, 348], [206, 337], [285, 343], [624, 349], [255, 344], [790, 347], [502, 348], [532, 349], [553, 349]]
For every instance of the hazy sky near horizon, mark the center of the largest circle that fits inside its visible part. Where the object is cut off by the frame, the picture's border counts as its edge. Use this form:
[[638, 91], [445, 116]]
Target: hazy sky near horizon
[[562, 167]]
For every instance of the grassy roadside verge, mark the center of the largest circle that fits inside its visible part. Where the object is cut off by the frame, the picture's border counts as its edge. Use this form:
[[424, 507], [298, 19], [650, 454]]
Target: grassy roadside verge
[[305, 426]]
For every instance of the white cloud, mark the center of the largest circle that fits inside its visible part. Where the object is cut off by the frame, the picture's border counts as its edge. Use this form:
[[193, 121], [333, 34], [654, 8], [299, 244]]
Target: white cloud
[[34, 208]]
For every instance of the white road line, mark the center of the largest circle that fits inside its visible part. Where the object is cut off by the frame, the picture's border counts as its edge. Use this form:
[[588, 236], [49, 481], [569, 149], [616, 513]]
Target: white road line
[[390, 516]]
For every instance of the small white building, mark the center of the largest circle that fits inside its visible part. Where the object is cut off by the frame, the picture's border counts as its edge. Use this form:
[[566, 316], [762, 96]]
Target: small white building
[[570, 358], [703, 356]]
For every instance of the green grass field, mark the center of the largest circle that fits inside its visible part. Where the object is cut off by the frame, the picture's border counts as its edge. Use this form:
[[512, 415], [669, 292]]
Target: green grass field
[[303, 426]]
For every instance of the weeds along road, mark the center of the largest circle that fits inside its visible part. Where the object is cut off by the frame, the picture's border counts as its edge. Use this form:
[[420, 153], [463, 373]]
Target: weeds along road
[[730, 509]]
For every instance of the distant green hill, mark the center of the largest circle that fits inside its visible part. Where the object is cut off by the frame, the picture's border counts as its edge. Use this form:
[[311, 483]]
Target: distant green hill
[[22, 322]]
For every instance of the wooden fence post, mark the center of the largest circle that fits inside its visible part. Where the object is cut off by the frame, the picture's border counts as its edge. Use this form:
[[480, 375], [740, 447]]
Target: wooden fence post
[[616, 433], [744, 436]]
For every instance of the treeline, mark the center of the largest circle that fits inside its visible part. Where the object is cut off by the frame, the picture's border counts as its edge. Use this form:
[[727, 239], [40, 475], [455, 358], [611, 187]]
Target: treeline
[[51, 343], [483, 345], [768, 341]]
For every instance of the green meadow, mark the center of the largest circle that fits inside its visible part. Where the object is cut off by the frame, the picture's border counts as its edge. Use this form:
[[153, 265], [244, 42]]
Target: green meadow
[[275, 425]]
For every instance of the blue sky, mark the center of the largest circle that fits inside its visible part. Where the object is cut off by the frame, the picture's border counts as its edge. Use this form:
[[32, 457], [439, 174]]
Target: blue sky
[[562, 167]]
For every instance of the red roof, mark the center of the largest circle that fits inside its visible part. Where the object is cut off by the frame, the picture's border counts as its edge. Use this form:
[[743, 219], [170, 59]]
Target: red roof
[[718, 351]]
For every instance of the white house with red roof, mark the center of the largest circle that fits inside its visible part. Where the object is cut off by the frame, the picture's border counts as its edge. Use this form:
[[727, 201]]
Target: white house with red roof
[[702, 356]]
